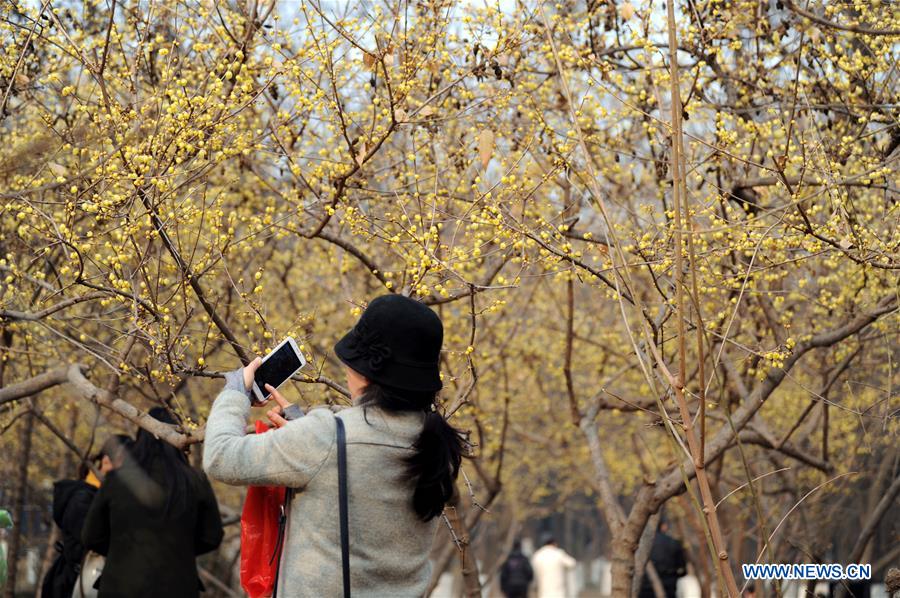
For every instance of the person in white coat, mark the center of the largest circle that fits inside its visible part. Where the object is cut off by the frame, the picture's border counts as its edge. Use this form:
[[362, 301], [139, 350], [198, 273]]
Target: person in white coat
[[551, 566]]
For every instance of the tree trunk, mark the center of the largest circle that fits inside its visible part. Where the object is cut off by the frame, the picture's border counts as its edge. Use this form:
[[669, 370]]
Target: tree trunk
[[865, 536], [468, 564], [701, 568], [622, 566], [626, 539], [642, 555], [445, 556], [16, 539]]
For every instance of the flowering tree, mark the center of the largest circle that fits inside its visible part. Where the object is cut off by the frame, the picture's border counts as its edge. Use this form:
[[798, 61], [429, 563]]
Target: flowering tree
[[627, 214]]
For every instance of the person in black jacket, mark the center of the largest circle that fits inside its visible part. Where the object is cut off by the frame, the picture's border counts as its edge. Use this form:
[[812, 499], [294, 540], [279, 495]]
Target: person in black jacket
[[71, 501], [151, 518], [516, 573], [667, 556]]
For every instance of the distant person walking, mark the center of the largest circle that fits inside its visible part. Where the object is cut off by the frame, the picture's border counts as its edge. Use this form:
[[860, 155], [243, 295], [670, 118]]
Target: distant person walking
[[516, 573], [667, 557], [71, 502], [151, 518], [551, 568]]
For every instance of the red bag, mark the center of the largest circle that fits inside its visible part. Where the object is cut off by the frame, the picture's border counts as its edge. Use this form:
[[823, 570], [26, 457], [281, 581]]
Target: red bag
[[259, 536]]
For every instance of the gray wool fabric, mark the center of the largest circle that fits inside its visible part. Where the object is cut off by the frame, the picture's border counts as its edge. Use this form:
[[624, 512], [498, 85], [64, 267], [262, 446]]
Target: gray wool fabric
[[389, 544]]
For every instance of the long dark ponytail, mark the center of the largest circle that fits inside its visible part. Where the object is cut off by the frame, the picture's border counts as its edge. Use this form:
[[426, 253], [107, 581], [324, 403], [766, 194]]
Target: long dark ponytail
[[437, 453], [149, 452]]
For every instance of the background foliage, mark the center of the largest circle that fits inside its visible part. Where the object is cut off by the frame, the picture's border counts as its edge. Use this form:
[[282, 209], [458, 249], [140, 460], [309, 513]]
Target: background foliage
[[186, 183]]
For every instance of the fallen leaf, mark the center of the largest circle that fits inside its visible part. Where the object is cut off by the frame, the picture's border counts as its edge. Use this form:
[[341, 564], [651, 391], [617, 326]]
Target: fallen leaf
[[361, 153], [368, 60], [485, 147], [626, 11], [57, 169], [426, 111]]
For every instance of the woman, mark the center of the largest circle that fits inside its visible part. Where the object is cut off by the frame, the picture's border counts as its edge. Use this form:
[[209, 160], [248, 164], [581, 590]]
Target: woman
[[71, 502], [151, 518], [402, 458]]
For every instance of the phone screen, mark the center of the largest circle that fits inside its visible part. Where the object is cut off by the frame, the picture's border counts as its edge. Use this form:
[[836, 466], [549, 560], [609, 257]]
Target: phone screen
[[280, 366]]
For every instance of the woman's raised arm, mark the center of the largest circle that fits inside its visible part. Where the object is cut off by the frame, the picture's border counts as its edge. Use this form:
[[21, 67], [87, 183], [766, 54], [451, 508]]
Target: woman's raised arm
[[287, 456]]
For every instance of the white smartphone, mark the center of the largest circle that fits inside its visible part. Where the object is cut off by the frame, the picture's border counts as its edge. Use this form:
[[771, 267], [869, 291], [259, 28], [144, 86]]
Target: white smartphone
[[280, 364]]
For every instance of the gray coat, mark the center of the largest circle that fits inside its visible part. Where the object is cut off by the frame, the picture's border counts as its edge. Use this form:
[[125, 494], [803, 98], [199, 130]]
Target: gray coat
[[389, 544]]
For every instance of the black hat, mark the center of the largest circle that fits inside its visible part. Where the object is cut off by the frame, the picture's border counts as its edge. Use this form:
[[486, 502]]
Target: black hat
[[397, 343]]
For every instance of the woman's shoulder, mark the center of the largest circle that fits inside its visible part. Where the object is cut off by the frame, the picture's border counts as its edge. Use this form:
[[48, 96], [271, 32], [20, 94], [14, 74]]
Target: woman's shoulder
[[367, 423], [318, 423], [318, 417]]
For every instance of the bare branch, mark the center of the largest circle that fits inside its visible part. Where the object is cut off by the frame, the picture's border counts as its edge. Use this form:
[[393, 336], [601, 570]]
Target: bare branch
[[832, 25], [672, 483], [39, 315], [34, 385]]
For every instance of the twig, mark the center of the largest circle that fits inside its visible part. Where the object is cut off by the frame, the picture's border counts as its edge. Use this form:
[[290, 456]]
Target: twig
[[682, 204], [832, 25]]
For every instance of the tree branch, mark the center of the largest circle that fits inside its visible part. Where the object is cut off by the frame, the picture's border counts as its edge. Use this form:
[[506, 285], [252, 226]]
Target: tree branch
[[672, 482], [74, 374], [163, 431], [40, 315], [754, 437], [832, 25], [34, 385]]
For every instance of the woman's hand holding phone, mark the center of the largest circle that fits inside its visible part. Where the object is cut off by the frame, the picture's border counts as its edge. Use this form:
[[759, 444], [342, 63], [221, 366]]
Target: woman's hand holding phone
[[276, 415], [249, 372]]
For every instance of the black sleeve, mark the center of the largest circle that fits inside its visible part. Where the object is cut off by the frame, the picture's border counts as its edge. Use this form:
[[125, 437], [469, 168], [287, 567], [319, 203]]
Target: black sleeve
[[208, 532], [95, 533], [76, 511], [529, 572], [680, 564]]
